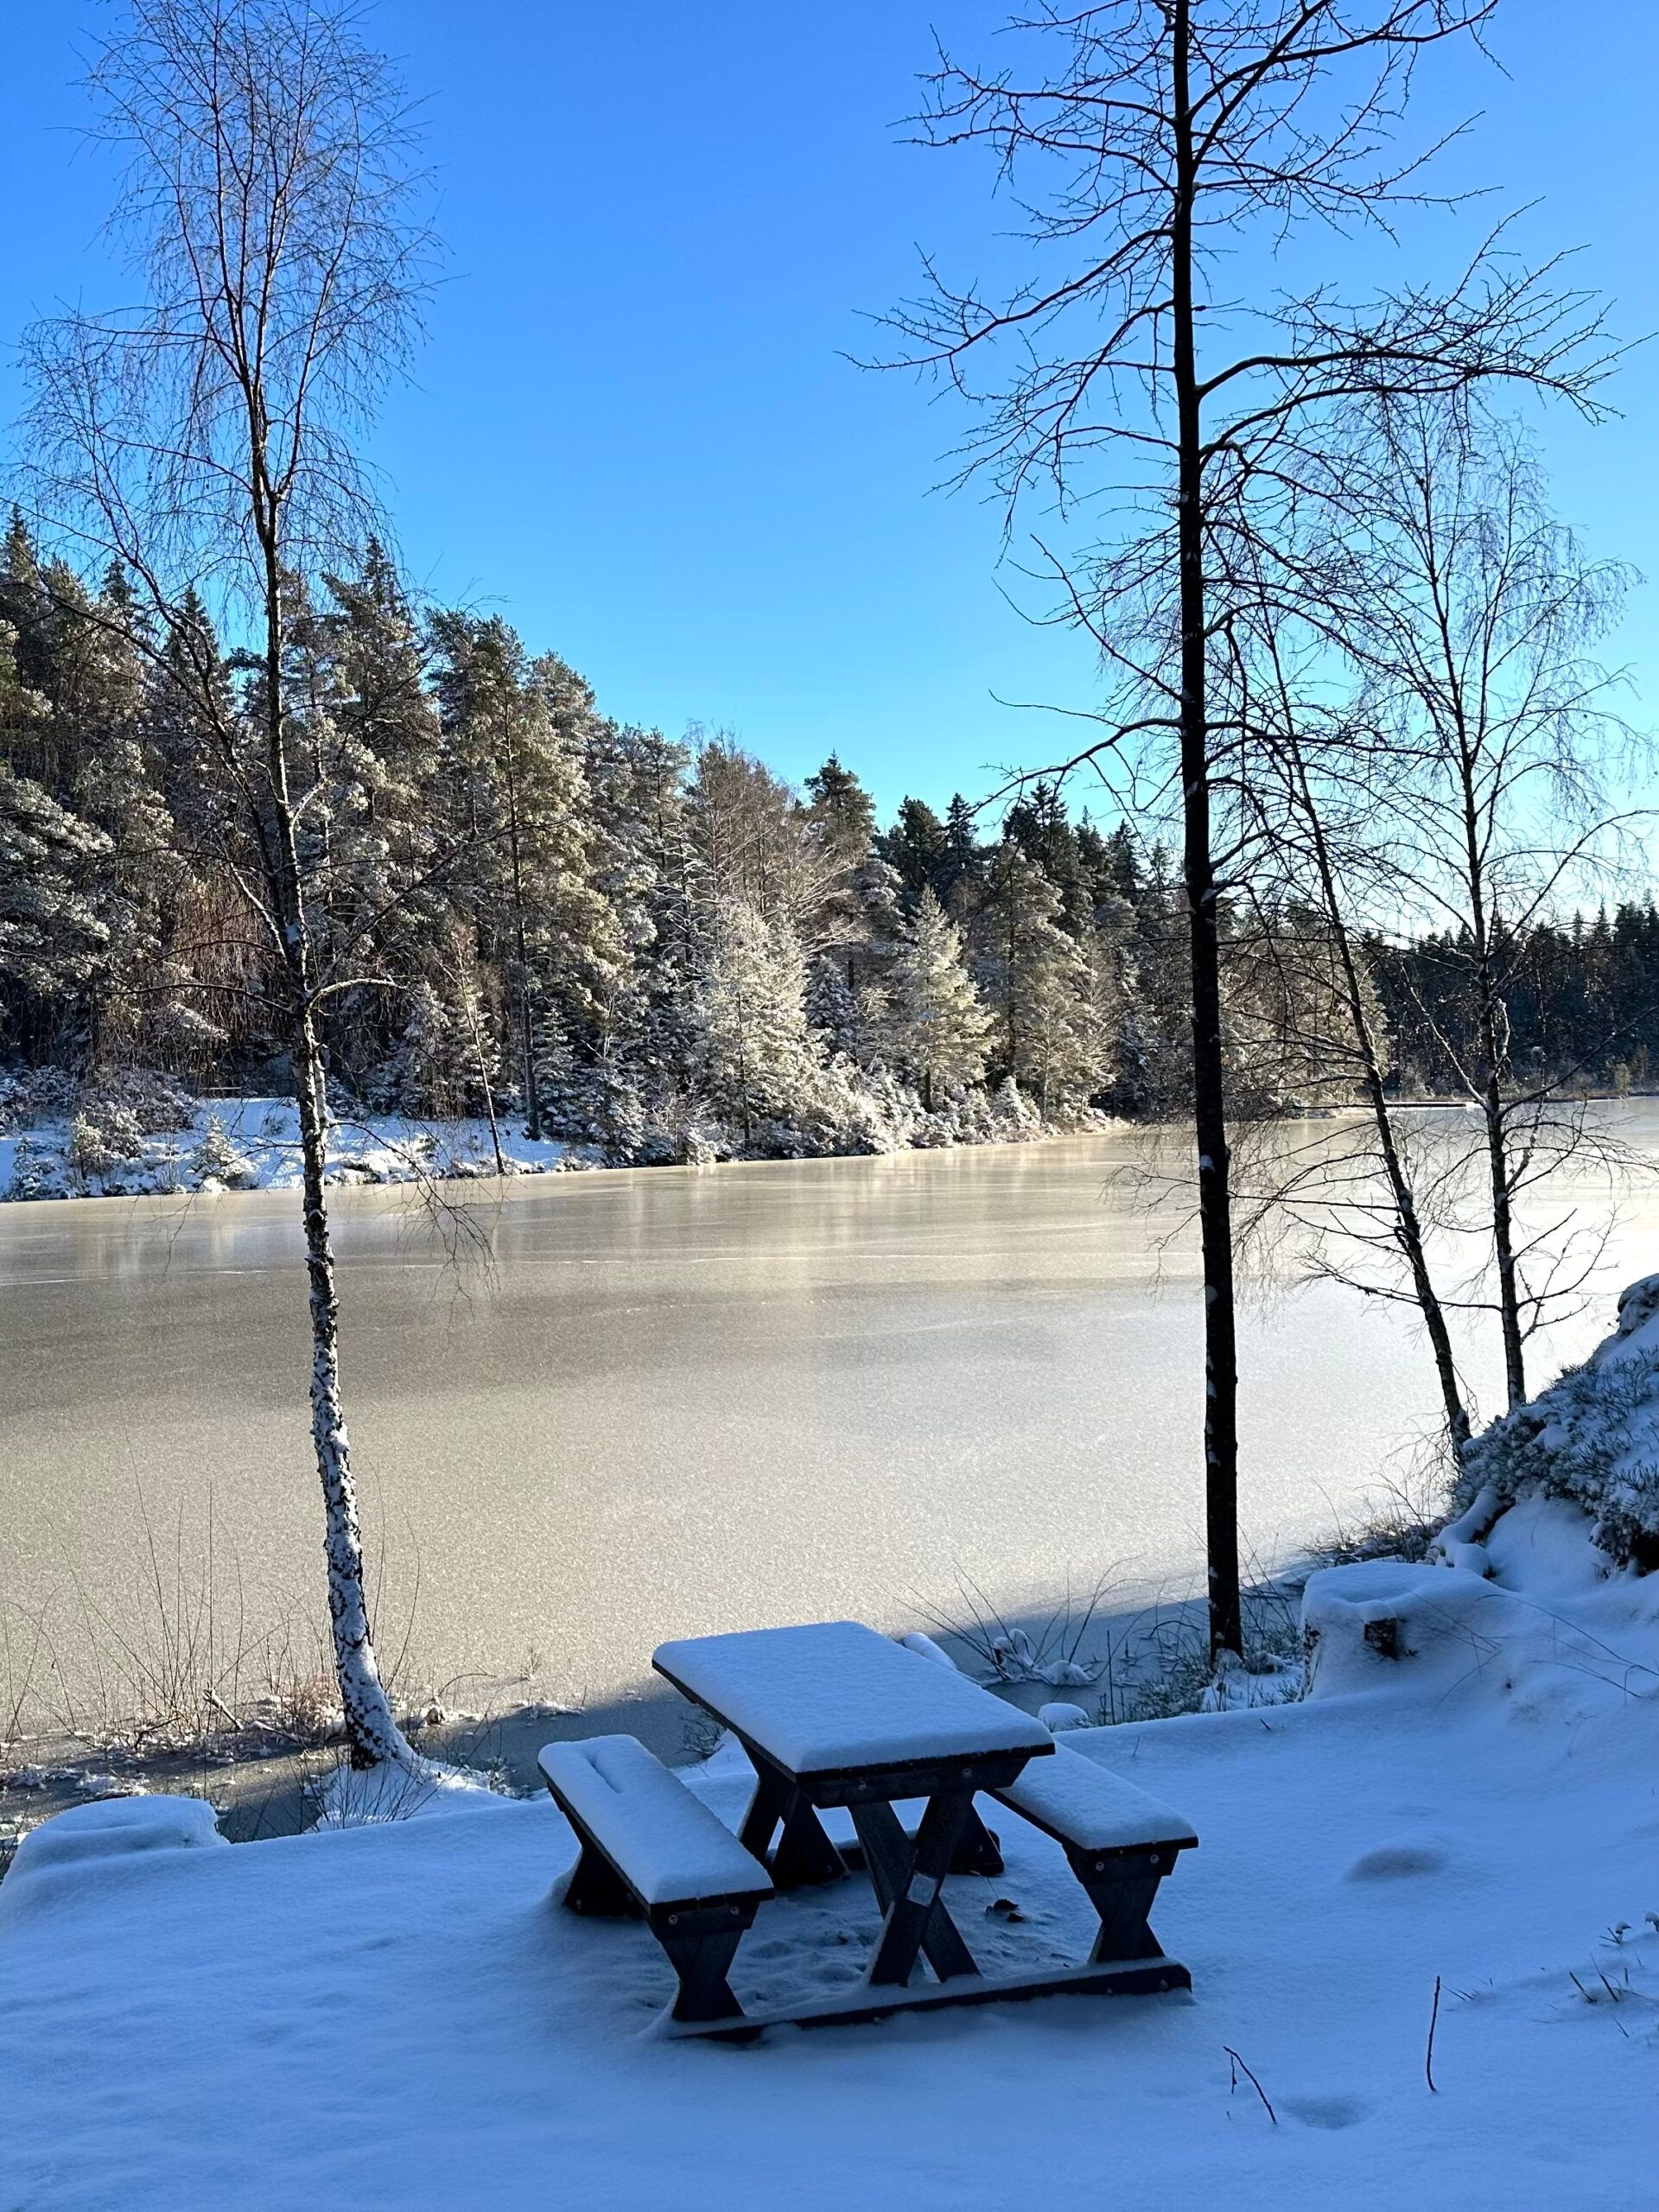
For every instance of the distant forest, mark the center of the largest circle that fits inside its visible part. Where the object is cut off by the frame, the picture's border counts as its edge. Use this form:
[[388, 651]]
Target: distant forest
[[659, 948]]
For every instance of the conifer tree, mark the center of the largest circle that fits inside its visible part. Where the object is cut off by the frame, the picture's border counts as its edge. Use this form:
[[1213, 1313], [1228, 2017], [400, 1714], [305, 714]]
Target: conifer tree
[[936, 1028], [758, 1063]]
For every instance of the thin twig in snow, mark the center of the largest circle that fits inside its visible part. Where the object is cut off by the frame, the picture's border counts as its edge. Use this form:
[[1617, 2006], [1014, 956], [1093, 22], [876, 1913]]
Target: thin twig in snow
[[1239, 2067]]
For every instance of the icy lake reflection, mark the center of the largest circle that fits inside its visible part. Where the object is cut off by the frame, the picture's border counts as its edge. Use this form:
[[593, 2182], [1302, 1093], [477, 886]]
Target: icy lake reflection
[[679, 1400]]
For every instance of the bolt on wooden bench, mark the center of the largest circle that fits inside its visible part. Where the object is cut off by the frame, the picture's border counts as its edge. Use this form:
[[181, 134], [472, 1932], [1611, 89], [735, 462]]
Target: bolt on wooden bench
[[650, 1848]]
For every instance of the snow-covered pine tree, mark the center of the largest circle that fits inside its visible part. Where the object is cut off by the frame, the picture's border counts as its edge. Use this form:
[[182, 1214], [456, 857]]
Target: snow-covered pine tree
[[831, 1009], [758, 1064], [52, 939], [936, 1027], [513, 781]]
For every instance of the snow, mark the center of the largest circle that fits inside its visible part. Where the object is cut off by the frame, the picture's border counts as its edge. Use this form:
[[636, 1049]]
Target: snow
[[112, 1829], [1092, 1806], [835, 1695], [1058, 1716], [262, 1152], [674, 1849], [397, 2016]]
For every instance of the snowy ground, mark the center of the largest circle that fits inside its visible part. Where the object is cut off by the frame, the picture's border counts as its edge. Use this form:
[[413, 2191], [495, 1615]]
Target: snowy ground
[[252, 1144], [399, 2014]]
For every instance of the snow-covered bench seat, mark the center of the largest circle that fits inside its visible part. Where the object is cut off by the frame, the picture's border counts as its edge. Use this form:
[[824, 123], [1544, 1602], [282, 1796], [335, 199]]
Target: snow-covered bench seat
[[650, 1848], [1120, 1841]]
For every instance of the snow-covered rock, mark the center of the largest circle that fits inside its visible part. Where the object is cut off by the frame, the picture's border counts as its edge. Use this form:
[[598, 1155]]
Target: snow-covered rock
[[1060, 1718], [1591, 1437], [77, 1845]]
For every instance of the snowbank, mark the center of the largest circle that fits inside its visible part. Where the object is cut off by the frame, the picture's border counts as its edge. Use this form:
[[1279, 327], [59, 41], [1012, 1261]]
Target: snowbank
[[1593, 1438], [397, 2015]]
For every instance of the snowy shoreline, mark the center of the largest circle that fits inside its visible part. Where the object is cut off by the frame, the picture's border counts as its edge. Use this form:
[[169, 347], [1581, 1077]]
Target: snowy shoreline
[[252, 1144]]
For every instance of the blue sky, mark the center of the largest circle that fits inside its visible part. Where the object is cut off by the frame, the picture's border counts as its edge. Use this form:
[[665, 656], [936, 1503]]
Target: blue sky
[[634, 428]]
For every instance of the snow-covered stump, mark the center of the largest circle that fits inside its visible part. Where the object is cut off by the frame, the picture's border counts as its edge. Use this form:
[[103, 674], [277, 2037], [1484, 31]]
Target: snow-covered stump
[[1384, 1622]]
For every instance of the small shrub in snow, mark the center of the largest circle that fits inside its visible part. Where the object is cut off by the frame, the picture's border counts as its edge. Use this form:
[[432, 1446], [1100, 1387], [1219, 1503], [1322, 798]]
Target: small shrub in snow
[[39, 1095], [36, 1170], [1011, 1115], [217, 1160], [98, 1147], [150, 1103]]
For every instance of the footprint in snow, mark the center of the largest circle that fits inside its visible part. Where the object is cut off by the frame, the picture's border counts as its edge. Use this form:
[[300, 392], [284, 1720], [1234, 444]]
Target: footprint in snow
[[1327, 2112], [1390, 1861]]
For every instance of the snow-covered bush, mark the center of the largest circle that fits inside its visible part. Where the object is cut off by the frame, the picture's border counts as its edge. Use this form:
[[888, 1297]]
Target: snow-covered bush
[[1591, 1437], [100, 1144], [1013, 1115], [154, 1102], [217, 1160], [35, 1095], [36, 1170]]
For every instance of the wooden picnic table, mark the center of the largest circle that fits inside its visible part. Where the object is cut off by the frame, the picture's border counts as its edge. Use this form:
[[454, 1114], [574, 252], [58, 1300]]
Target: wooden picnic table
[[835, 1715]]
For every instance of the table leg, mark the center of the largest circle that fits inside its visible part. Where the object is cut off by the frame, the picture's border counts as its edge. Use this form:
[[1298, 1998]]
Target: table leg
[[909, 1882], [765, 1810], [804, 1853]]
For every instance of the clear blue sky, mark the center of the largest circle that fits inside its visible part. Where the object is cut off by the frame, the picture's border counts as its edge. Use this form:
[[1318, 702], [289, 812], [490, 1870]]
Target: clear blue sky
[[633, 430]]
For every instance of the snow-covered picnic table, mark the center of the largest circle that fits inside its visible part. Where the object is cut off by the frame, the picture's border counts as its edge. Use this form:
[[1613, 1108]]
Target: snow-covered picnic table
[[833, 1715]]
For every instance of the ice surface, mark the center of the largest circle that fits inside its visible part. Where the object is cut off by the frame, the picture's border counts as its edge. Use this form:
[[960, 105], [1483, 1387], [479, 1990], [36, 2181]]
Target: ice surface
[[835, 1696], [1092, 1806], [673, 1847]]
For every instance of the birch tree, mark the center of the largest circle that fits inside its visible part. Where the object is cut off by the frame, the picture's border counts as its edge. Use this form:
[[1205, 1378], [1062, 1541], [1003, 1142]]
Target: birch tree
[[206, 438], [1469, 614], [1143, 141]]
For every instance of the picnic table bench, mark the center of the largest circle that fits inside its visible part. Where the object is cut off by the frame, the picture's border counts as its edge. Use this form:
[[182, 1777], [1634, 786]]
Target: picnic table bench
[[833, 1715], [649, 1847]]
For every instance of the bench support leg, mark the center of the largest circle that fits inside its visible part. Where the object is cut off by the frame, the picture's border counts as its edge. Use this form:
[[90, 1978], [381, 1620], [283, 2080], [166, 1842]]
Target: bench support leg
[[595, 1889], [977, 1850], [804, 1853], [700, 1946], [1123, 1899]]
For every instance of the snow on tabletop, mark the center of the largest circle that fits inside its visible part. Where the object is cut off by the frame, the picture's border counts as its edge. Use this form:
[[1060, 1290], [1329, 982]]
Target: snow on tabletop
[[674, 1848], [835, 1696], [1098, 1810]]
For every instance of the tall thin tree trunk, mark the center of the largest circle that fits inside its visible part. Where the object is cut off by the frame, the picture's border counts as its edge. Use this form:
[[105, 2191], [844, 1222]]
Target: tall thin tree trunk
[[1509, 1298], [1209, 1089], [479, 1054], [1484, 923], [1407, 1227], [371, 1731]]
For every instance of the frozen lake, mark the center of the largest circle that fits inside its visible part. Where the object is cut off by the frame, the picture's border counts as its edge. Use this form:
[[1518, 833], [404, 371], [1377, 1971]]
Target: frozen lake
[[677, 1402]]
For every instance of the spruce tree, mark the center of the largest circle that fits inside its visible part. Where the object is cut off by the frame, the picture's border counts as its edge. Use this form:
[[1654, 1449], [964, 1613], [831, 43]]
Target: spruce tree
[[936, 1027], [758, 1064]]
